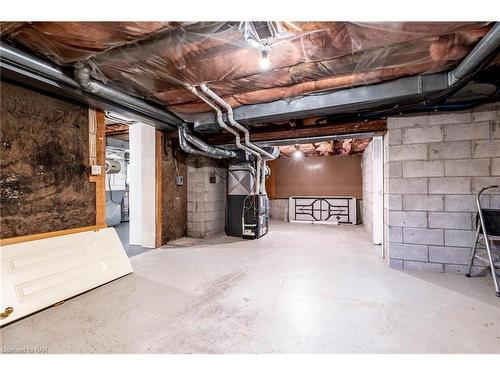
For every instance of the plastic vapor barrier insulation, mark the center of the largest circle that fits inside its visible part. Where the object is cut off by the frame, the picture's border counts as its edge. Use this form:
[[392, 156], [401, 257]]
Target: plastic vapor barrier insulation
[[147, 59]]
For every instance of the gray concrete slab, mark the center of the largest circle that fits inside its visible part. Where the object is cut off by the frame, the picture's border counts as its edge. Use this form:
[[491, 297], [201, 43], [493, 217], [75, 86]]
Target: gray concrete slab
[[123, 231], [302, 288]]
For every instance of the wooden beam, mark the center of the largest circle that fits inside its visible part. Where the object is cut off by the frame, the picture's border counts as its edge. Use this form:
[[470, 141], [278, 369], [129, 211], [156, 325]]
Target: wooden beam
[[40, 236], [100, 180], [271, 133], [97, 117], [158, 187]]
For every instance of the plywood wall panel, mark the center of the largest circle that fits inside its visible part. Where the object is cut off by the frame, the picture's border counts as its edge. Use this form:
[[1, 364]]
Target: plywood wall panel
[[322, 175]]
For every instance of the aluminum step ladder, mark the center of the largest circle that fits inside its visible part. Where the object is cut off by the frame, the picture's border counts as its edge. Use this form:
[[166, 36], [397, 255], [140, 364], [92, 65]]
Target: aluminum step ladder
[[488, 230]]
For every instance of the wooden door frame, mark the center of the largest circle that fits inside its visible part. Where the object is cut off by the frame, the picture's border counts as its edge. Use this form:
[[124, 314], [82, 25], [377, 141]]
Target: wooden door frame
[[100, 180], [159, 139]]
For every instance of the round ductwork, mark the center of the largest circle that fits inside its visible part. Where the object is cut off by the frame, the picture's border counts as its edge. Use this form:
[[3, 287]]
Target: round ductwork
[[206, 128], [473, 91]]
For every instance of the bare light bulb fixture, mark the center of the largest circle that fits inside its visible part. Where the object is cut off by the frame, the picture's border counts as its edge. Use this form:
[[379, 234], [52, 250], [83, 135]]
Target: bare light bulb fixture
[[297, 154], [264, 62]]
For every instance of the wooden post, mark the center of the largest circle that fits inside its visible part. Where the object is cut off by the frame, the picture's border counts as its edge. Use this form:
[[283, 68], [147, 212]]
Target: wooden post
[[100, 159], [158, 187]]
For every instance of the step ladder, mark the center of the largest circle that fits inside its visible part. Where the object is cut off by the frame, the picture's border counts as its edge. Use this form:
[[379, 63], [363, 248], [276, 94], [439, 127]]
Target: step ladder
[[488, 230]]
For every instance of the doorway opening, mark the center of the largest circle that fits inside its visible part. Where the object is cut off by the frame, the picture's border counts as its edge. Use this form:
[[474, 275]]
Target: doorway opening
[[120, 181], [334, 181]]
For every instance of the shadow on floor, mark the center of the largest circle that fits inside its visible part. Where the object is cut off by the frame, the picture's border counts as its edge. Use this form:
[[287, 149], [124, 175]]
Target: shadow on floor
[[123, 231], [479, 287]]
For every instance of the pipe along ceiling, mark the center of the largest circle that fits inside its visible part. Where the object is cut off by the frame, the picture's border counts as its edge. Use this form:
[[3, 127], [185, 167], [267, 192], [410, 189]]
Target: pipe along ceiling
[[104, 81]]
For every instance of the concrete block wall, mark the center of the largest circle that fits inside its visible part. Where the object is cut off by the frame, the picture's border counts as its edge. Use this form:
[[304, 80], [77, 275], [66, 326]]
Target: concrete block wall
[[435, 164], [367, 203], [206, 202], [278, 209]]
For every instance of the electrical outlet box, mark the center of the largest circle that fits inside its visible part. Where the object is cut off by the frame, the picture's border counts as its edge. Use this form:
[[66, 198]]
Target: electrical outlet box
[[179, 180], [95, 170], [212, 178]]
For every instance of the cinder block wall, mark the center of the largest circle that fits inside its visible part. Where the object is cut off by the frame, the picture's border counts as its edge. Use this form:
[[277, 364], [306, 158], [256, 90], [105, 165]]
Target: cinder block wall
[[434, 166], [206, 202], [367, 175]]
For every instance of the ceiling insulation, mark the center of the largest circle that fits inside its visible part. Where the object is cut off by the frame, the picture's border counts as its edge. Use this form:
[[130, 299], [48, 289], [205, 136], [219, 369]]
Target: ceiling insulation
[[116, 129], [147, 59], [336, 147]]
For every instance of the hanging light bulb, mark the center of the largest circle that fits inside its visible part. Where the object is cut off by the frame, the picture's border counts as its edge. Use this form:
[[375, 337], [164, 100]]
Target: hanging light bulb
[[297, 154], [264, 62]]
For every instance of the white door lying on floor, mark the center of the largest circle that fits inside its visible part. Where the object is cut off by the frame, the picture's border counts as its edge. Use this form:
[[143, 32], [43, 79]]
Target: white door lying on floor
[[39, 273]]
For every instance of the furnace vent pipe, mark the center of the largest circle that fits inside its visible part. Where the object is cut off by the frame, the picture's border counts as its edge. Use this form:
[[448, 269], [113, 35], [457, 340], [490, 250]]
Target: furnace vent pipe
[[82, 76], [224, 126], [230, 117]]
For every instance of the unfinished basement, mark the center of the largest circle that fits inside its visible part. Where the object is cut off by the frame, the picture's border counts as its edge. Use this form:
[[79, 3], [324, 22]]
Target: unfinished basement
[[250, 187]]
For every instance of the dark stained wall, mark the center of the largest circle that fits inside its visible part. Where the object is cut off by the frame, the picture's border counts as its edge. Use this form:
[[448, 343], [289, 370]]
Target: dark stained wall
[[174, 213], [44, 160]]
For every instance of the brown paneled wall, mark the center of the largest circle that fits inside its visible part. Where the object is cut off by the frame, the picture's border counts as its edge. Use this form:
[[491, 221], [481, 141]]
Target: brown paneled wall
[[44, 163], [322, 175]]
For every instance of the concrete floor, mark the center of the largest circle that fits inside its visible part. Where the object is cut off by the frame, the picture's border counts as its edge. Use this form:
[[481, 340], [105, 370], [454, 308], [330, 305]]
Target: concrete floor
[[301, 288], [123, 231]]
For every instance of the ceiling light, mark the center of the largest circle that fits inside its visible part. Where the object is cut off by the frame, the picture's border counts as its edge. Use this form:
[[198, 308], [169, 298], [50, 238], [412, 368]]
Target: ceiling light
[[264, 62], [297, 154]]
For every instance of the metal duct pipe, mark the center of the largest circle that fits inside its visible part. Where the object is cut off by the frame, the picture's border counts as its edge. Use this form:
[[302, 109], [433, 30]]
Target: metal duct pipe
[[206, 90], [486, 46], [191, 150], [82, 75], [84, 81], [83, 78], [223, 125], [214, 152], [35, 65]]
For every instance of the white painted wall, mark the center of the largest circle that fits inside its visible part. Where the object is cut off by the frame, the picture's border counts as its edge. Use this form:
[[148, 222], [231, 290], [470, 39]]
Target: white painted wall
[[142, 185], [378, 190], [372, 167], [367, 175]]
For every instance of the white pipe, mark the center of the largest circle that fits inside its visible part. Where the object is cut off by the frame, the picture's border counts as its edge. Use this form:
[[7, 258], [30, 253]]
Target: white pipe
[[224, 126], [263, 181], [260, 175], [230, 117]]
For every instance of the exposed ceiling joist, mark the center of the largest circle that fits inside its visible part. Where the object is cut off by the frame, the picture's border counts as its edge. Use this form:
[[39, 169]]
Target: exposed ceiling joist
[[116, 129], [285, 132]]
